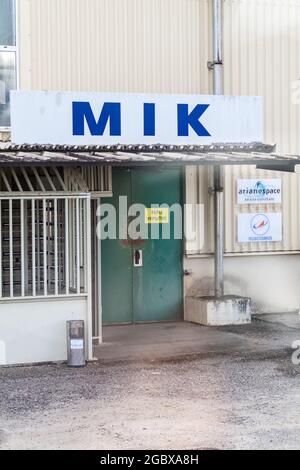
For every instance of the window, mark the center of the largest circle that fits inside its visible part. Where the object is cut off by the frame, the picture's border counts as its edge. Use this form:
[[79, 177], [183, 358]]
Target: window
[[45, 230], [44, 245], [7, 58]]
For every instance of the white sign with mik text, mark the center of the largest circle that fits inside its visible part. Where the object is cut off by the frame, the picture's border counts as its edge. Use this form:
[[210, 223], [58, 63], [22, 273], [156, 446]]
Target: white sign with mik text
[[83, 118]]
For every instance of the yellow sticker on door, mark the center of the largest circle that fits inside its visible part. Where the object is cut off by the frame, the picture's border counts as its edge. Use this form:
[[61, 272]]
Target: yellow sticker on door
[[157, 215]]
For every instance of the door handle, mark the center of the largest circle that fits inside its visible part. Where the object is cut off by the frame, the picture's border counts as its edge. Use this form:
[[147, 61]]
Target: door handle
[[138, 258]]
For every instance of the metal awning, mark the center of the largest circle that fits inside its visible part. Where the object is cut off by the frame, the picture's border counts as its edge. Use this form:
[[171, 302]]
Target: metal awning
[[261, 155]]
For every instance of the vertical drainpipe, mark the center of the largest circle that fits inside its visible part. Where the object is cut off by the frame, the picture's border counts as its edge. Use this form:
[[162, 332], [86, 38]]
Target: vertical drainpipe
[[218, 193]]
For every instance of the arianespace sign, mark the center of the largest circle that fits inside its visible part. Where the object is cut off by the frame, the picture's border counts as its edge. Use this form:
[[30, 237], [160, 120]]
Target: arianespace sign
[[79, 118], [251, 191], [260, 227]]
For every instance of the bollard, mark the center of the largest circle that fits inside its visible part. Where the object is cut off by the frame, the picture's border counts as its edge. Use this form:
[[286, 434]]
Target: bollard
[[75, 343]]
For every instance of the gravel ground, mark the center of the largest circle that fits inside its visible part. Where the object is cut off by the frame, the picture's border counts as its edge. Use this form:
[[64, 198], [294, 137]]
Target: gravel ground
[[248, 402]]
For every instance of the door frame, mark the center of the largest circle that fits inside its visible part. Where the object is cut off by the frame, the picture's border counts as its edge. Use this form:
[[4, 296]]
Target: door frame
[[97, 287]]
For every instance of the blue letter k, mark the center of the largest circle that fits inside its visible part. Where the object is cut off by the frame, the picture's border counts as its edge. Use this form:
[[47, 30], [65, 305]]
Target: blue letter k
[[186, 119]]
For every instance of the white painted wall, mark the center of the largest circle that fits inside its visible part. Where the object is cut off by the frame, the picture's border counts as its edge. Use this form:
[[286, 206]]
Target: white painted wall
[[35, 330], [272, 281]]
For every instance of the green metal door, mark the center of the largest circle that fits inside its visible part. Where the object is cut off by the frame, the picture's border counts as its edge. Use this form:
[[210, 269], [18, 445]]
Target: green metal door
[[158, 282], [142, 278], [116, 260]]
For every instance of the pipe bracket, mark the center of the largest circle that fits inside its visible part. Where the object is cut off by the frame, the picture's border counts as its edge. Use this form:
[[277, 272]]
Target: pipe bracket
[[216, 189], [211, 64]]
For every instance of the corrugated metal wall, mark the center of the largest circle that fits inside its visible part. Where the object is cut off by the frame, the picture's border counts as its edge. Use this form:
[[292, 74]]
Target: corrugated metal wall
[[164, 46], [290, 209], [115, 45], [261, 57], [198, 181]]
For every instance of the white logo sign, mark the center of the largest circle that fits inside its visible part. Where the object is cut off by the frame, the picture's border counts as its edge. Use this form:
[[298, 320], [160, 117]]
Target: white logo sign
[[260, 227], [80, 118], [267, 191]]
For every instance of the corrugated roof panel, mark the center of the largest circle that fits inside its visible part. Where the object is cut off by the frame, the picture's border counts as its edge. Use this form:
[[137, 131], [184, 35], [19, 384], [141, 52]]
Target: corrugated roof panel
[[224, 154]]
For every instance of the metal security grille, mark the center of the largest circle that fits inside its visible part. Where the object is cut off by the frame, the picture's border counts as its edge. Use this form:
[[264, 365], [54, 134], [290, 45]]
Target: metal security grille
[[94, 179], [44, 245], [31, 179]]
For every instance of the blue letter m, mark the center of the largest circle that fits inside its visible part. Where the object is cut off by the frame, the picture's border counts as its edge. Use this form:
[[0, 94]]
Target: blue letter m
[[186, 119], [82, 111]]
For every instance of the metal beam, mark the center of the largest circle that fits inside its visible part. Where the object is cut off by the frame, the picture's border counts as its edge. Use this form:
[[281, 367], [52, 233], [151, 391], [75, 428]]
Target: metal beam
[[286, 167]]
